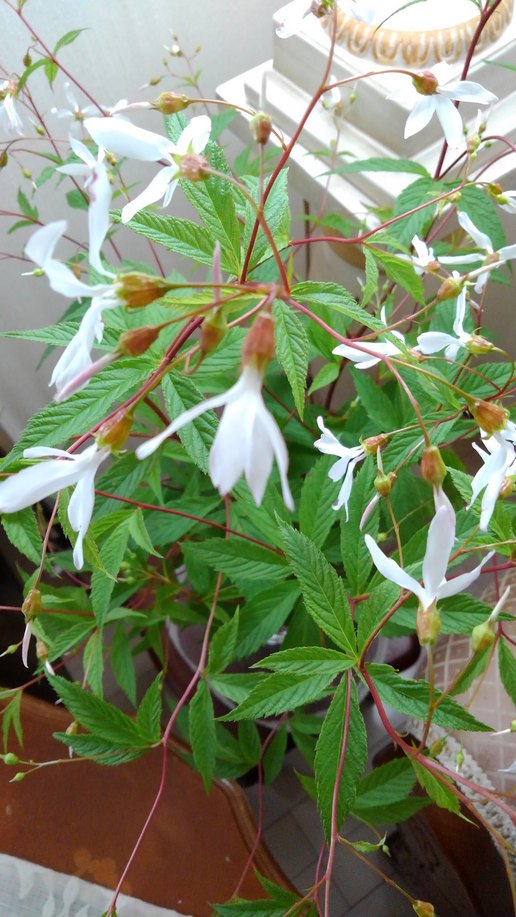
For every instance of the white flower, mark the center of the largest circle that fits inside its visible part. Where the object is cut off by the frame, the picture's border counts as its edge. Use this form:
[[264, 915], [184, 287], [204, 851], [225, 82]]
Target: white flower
[[61, 470], [507, 201], [366, 360], [434, 341], [76, 358], [124, 139], [75, 112], [348, 458], [10, 120], [98, 186], [499, 459], [440, 102], [441, 536], [247, 440], [506, 253]]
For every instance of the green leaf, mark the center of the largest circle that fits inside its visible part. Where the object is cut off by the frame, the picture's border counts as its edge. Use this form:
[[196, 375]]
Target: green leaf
[[326, 375], [336, 299], [148, 716], [139, 534], [307, 660], [76, 200], [100, 718], [122, 663], [51, 70], [437, 791], [277, 214], [316, 513], [181, 393], [355, 556], [22, 531], [292, 350], [240, 560], [67, 39], [201, 723], [484, 213], [26, 207], [370, 612], [263, 616], [382, 164], [401, 272], [275, 755], [417, 193], [372, 276], [103, 581], [388, 783], [223, 645], [507, 665], [11, 719], [328, 753], [376, 402], [413, 697], [102, 751], [180, 236], [249, 742], [278, 693], [93, 660], [323, 590], [58, 335]]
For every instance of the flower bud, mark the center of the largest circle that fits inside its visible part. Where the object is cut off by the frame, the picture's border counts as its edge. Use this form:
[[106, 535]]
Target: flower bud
[[383, 483], [477, 344], [261, 127], [372, 443], [114, 432], [27, 60], [425, 82], [259, 347], [482, 637], [193, 167], [10, 758], [428, 625], [17, 777], [136, 341], [459, 759], [3, 159], [449, 289], [72, 729], [32, 605], [169, 103], [433, 469], [213, 330], [423, 909], [137, 289], [495, 189], [489, 416], [507, 487], [41, 650], [436, 748]]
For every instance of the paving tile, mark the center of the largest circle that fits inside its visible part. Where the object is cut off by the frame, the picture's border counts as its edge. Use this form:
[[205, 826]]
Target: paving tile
[[307, 817], [384, 901], [289, 845], [354, 878]]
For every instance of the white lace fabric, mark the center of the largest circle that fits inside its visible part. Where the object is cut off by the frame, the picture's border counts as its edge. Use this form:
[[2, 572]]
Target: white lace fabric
[[29, 890]]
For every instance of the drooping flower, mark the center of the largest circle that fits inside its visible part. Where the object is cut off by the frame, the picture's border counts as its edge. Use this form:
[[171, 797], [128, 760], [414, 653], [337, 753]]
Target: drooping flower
[[124, 139], [10, 121], [506, 253], [434, 92], [499, 458], [441, 537], [434, 341], [247, 440], [348, 459], [98, 186], [62, 469], [365, 360]]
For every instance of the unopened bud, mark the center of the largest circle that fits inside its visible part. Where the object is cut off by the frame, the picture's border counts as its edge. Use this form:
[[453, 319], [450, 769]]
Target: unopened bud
[[428, 625], [41, 650], [425, 82], [136, 341], [433, 469], [26, 174], [489, 416], [449, 289], [459, 759], [372, 443], [507, 487], [137, 289], [17, 777], [4, 159], [193, 167], [495, 189], [213, 330], [114, 432], [39, 130], [10, 758], [482, 637], [169, 103], [383, 483], [72, 729], [477, 344], [32, 605], [154, 80], [261, 127], [436, 748], [76, 268], [259, 347], [423, 909]]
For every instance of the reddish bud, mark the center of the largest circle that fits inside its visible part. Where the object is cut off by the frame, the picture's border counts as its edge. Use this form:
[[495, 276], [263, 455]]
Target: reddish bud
[[373, 443], [169, 103], [3, 159], [137, 289], [261, 127], [383, 483], [114, 432], [450, 289], [482, 637], [490, 417], [213, 330], [259, 347], [478, 344], [425, 82], [193, 167], [495, 189], [433, 469], [424, 909], [136, 341]]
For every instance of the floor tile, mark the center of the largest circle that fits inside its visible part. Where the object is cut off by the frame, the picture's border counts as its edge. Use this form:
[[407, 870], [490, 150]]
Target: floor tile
[[288, 844], [384, 901]]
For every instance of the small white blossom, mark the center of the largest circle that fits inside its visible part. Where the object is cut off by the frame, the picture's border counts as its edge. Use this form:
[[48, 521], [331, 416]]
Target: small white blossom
[[499, 459], [348, 459], [247, 440], [364, 360], [75, 112], [98, 186], [62, 469], [506, 253], [440, 102], [124, 139], [10, 121], [434, 341]]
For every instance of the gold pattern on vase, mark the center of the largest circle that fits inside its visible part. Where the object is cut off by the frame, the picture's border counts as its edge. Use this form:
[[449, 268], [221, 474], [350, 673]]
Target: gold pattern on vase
[[413, 48]]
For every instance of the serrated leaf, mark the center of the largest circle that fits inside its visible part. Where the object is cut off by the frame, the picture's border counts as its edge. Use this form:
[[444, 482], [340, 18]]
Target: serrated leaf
[[292, 351], [11, 719], [177, 235], [413, 697], [335, 298], [51, 70], [484, 213], [201, 722], [100, 718], [240, 560], [507, 666], [417, 193], [263, 616], [181, 393], [122, 663], [223, 645], [275, 755], [370, 612], [93, 661], [22, 531], [139, 534], [355, 556], [328, 753], [326, 375], [249, 742], [67, 39], [383, 164], [437, 791], [323, 590], [26, 207], [376, 402], [101, 751], [277, 214], [278, 693], [307, 660], [316, 513], [59, 335], [148, 715], [103, 583], [372, 276]]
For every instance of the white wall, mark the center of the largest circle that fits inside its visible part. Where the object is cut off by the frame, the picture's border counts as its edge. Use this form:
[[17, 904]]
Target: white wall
[[121, 50]]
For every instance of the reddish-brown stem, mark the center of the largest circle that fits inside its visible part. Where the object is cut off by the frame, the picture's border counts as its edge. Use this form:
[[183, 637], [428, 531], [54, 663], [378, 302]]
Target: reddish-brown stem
[[335, 799]]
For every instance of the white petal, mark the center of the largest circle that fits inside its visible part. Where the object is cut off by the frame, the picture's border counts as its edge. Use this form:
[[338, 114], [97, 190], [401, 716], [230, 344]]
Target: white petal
[[195, 135], [150, 446], [460, 312], [507, 253], [441, 535], [99, 190], [74, 168], [80, 509], [42, 243], [154, 191], [62, 280], [451, 121], [468, 91], [461, 582], [30, 485], [26, 643], [345, 490], [434, 341], [393, 572], [280, 453], [420, 115], [480, 238], [232, 445], [46, 452], [125, 139]]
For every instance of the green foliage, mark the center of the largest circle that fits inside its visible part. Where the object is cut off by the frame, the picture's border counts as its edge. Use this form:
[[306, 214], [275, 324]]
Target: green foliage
[[438, 788], [316, 513], [292, 351], [507, 666], [181, 393], [383, 796], [23, 532], [355, 556], [202, 732]]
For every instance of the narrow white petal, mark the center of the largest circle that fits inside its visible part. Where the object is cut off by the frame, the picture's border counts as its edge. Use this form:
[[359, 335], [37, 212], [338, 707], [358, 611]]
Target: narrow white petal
[[74, 168], [82, 152], [233, 443], [393, 572], [434, 341], [30, 485], [345, 490], [195, 135], [150, 446], [420, 115], [42, 243], [125, 139], [155, 190], [507, 253], [99, 190], [62, 280], [458, 325], [80, 509], [441, 535], [468, 91], [26, 643], [35, 452], [451, 121], [479, 238], [280, 453], [461, 582]]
